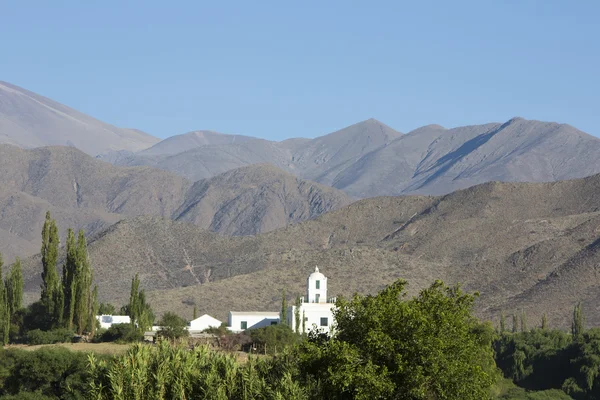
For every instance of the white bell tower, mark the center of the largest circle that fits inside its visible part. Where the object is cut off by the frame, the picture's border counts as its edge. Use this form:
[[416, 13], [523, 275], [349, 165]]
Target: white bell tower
[[317, 287]]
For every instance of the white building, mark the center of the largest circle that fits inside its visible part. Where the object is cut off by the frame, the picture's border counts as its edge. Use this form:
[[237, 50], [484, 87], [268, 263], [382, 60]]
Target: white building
[[315, 308], [106, 321], [204, 322], [239, 321]]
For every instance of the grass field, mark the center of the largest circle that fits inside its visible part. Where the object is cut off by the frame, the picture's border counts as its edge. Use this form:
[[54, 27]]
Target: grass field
[[99, 348]]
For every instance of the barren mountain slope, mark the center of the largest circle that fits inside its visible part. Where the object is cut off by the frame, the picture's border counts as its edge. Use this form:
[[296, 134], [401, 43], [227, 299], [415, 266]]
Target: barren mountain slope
[[187, 141], [507, 240], [256, 199], [369, 159], [207, 161], [432, 160], [29, 120], [83, 192]]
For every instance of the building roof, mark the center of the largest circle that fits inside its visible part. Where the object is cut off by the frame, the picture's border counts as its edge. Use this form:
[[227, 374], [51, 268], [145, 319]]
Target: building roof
[[316, 275], [265, 313], [206, 317]]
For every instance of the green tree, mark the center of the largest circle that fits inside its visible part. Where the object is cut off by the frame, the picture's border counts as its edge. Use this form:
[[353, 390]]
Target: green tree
[[107, 309], [544, 322], [49, 252], [14, 287], [94, 306], [283, 313], [523, 321], [578, 324], [515, 323], [172, 326], [274, 338], [138, 309], [83, 284], [389, 347], [297, 306], [69, 280], [195, 314], [502, 323], [4, 311], [303, 322]]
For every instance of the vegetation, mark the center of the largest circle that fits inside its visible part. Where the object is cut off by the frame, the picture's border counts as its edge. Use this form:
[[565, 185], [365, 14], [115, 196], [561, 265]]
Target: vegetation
[[138, 310], [274, 338], [121, 333], [172, 326], [542, 359], [47, 373]]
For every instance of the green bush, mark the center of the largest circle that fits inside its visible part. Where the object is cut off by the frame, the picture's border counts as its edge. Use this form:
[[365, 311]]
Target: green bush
[[172, 326], [122, 333], [275, 337], [54, 372], [38, 336]]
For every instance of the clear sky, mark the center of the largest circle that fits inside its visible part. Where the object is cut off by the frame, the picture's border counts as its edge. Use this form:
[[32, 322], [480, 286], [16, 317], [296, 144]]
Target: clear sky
[[279, 69]]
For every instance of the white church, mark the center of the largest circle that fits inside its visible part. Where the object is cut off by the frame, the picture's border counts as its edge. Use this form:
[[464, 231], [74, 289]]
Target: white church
[[315, 309]]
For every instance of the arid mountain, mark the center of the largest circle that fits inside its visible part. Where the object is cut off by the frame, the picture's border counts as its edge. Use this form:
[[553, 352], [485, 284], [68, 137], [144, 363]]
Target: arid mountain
[[523, 246], [29, 120], [434, 160], [83, 192], [255, 199], [180, 143], [314, 159], [370, 159]]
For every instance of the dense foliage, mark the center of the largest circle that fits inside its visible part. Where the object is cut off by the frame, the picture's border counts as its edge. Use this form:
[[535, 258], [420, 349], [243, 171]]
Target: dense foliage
[[47, 373], [172, 326], [548, 359]]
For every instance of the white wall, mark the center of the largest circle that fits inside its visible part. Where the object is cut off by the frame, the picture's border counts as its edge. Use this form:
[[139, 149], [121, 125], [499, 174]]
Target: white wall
[[314, 294], [106, 321], [253, 320], [204, 322], [313, 312]]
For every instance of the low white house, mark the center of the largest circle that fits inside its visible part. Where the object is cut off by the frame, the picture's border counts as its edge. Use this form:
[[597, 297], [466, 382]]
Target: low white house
[[239, 321], [316, 309], [106, 321], [204, 322]]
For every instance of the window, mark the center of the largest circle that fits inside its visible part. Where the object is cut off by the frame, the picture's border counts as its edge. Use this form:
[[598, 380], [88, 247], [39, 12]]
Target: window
[[324, 321], [273, 322], [317, 297], [305, 318], [244, 325], [318, 284]]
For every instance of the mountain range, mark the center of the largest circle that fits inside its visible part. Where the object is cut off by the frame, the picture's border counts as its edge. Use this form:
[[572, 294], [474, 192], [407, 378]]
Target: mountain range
[[84, 193], [371, 159], [530, 247], [226, 221]]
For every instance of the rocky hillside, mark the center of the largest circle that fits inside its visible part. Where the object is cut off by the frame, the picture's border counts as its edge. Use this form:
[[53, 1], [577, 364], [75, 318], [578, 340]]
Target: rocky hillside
[[83, 192], [522, 246]]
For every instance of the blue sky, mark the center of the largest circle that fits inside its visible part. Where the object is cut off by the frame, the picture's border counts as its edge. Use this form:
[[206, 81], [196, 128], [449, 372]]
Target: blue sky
[[279, 69]]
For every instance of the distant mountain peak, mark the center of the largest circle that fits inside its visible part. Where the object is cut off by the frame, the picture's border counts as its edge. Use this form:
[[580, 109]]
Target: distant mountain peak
[[30, 120]]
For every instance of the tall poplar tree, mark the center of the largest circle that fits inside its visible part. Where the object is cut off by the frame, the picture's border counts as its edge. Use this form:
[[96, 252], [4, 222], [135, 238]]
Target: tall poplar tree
[[140, 312], [297, 305], [14, 287], [283, 313], [578, 324], [3, 308], [68, 280], [49, 251], [83, 283]]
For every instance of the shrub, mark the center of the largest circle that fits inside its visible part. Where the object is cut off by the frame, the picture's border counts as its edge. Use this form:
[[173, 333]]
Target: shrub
[[38, 336], [121, 333], [275, 337], [172, 326]]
